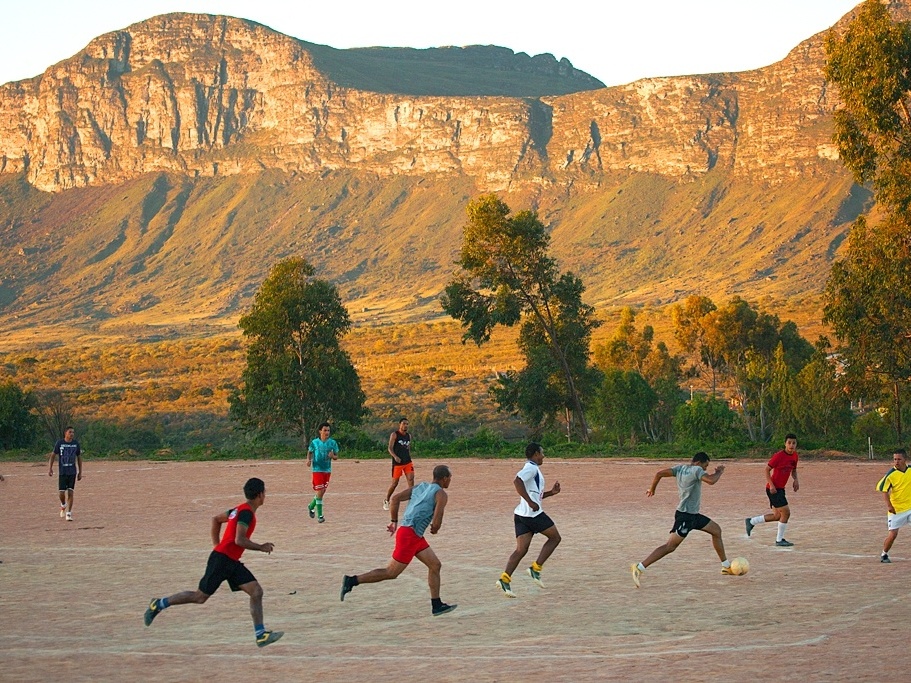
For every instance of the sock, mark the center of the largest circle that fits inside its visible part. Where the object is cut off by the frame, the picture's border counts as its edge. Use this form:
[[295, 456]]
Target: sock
[[312, 504], [436, 602], [782, 527], [758, 519], [641, 568], [163, 603], [726, 564], [537, 567], [505, 578], [259, 629], [319, 508], [884, 554]]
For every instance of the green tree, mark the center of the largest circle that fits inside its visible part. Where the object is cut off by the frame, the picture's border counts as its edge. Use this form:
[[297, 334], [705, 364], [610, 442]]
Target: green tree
[[705, 419], [509, 278], [868, 295], [691, 320], [297, 375], [18, 423], [623, 403]]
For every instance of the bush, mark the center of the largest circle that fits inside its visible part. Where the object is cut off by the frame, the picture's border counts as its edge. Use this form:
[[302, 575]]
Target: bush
[[706, 419]]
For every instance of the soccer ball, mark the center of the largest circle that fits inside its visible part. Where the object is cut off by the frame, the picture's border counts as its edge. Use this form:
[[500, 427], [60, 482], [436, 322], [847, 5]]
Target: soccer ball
[[740, 566]]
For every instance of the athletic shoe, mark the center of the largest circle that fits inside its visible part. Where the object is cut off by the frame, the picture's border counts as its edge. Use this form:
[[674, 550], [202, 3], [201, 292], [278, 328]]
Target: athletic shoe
[[506, 588], [268, 637], [69, 516], [442, 609], [62, 512], [636, 572], [321, 519], [151, 612], [385, 504], [885, 559], [535, 576], [728, 571], [783, 543], [347, 586], [312, 512], [749, 526]]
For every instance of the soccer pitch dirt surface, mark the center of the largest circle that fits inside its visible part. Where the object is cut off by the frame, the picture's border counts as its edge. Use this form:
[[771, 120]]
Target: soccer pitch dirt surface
[[72, 594]]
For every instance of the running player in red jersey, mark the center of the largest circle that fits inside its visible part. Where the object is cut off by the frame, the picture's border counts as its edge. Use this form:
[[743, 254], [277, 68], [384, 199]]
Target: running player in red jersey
[[225, 565], [781, 467]]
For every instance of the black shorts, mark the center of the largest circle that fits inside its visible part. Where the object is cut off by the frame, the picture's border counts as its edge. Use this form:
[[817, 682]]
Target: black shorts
[[66, 481], [777, 499], [532, 525], [221, 568], [685, 522]]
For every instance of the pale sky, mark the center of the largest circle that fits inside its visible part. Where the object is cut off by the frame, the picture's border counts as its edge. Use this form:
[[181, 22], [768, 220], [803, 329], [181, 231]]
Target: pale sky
[[617, 41]]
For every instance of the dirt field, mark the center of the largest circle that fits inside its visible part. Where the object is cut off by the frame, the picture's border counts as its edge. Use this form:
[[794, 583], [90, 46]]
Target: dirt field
[[72, 594]]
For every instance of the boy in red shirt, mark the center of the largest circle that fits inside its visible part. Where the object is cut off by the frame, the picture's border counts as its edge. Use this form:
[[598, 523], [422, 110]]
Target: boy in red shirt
[[781, 467], [225, 565]]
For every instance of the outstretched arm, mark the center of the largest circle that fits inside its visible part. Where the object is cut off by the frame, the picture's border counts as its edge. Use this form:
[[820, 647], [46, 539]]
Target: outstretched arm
[[714, 476], [661, 474]]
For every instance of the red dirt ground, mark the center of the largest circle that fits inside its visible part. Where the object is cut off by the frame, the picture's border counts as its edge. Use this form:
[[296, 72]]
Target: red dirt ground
[[72, 594]]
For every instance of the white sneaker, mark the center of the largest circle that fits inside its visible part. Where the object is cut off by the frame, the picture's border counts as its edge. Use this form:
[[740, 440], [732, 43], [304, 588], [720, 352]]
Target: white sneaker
[[62, 512], [385, 504], [69, 516]]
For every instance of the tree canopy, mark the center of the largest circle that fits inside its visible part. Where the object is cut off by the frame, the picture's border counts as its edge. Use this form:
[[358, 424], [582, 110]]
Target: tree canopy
[[297, 375], [508, 277]]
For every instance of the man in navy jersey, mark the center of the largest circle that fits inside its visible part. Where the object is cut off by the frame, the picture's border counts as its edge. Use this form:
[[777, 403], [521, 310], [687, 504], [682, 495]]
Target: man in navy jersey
[[69, 455], [225, 565]]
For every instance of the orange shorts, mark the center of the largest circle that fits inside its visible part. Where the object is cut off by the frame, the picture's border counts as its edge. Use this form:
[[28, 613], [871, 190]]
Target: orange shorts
[[321, 480], [407, 545], [399, 470]]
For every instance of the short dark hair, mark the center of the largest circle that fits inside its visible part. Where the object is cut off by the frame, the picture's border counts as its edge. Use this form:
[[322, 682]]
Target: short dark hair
[[253, 488], [701, 456], [790, 436], [403, 419], [531, 449], [900, 451], [324, 424], [441, 472]]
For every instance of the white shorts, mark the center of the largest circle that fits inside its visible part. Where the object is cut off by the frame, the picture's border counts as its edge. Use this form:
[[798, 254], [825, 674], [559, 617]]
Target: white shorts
[[898, 520]]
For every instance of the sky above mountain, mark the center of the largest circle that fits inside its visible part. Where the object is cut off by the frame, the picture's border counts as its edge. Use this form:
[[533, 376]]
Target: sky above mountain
[[616, 41]]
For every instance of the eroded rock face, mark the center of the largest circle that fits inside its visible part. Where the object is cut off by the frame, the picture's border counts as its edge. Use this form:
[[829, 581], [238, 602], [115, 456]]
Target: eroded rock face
[[207, 96]]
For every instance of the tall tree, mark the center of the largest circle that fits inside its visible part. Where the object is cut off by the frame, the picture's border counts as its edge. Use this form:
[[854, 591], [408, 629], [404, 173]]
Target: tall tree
[[297, 375], [691, 319], [510, 278], [18, 423], [868, 295]]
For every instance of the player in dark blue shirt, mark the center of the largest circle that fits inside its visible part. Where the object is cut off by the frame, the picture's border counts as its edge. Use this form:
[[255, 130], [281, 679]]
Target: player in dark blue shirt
[[69, 456]]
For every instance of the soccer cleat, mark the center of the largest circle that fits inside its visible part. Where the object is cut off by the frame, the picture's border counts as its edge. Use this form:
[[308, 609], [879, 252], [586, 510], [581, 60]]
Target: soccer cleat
[[535, 576], [442, 609], [885, 559], [62, 511], [385, 504], [268, 637], [69, 516], [728, 571], [151, 612], [312, 512], [347, 586], [783, 543], [749, 526], [636, 572], [506, 588], [321, 519]]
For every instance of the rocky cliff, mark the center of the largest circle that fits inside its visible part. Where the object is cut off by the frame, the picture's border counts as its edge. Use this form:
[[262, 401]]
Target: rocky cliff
[[154, 177]]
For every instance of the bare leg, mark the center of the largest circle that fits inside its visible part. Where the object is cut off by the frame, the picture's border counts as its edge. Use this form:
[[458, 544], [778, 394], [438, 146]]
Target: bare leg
[[553, 540], [672, 542], [387, 573], [410, 477], [69, 500], [196, 597], [428, 557], [255, 591], [715, 530], [890, 539], [522, 543], [395, 483], [782, 515]]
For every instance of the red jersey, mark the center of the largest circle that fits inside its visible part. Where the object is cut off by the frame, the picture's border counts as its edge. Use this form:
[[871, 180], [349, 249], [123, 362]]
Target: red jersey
[[242, 514], [782, 465]]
